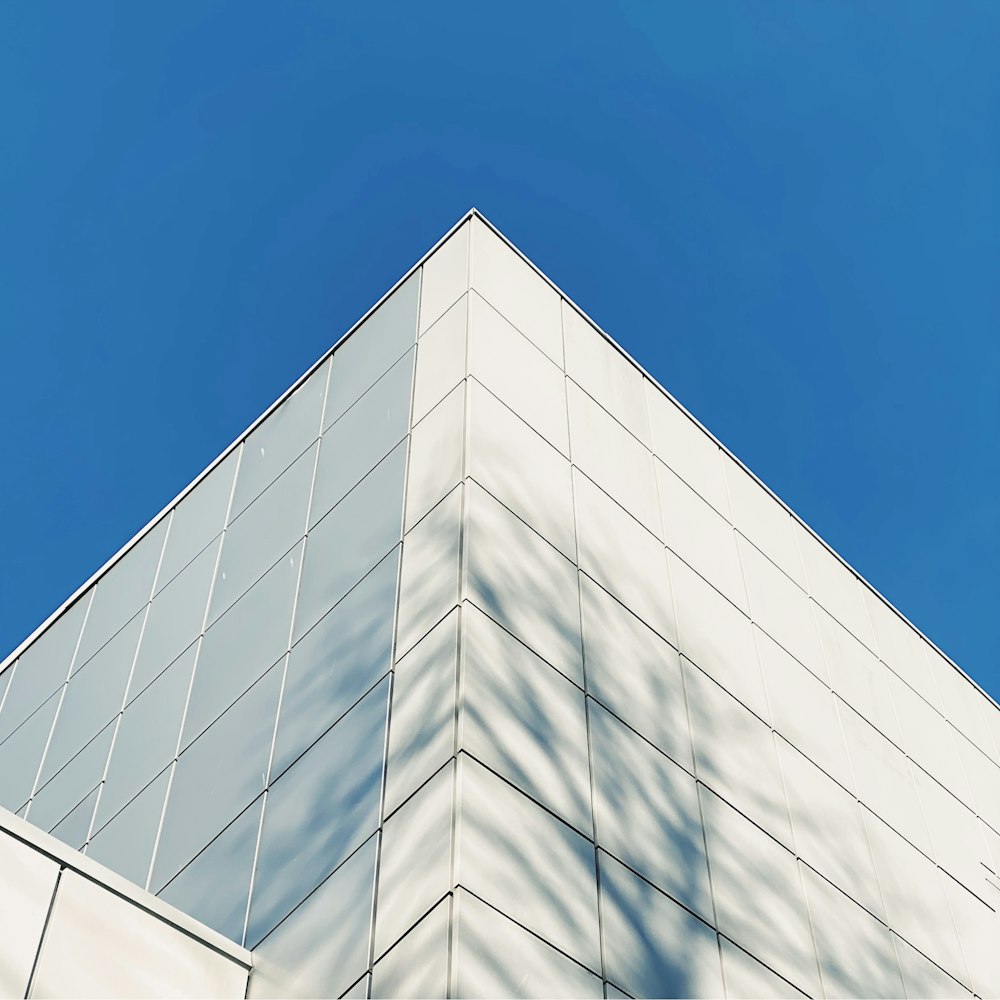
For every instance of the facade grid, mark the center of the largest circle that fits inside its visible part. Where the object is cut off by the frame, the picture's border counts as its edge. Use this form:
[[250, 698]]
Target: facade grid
[[477, 667]]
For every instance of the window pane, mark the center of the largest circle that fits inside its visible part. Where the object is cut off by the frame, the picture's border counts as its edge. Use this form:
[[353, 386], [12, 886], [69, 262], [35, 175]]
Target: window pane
[[215, 887], [94, 696], [351, 539], [197, 519], [217, 776], [277, 442], [121, 593], [147, 737], [321, 947], [373, 348], [363, 436], [175, 619], [259, 537], [336, 662], [42, 667], [250, 637], [318, 811]]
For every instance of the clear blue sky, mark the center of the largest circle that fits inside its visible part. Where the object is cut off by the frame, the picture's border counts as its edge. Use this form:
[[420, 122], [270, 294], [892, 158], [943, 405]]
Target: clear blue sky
[[789, 212]]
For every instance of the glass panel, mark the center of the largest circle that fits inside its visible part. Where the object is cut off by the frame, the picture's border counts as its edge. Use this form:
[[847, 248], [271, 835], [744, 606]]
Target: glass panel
[[351, 539], [613, 458], [734, 754], [281, 439], [415, 864], [804, 710], [94, 696], [594, 363], [437, 450], [780, 608], [73, 828], [336, 662], [653, 947], [496, 958], [318, 811], [701, 537], [21, 753], [54, 800], [422, 729], [372, 349], [747, 978], [445, 277], [884, 782], [121, 593], [215, 887], [530, 865], [320, 948], [829, 833], [197, 519], [29, 879], [686, 448], [523, 583], [428, 579], [623, 556], [147, 737], [521, 469], [634, 672], [835, 587], [255, 541], [89, 931], [175, 619], [525, 721], [417, 966], [855, 950], [647, 812], [758, 894], [764, 521], [217, 776], [362, 437], [125, 845], [42, 667], [441, 359], [250, 637], [516, 290], [717, 636], [514, 371]]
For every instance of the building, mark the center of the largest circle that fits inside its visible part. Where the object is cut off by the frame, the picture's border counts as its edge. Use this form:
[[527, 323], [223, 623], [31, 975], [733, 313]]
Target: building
[[477, 667]]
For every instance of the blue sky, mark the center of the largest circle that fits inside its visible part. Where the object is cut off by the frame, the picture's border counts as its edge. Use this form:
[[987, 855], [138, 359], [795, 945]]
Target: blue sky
[[789, 213]]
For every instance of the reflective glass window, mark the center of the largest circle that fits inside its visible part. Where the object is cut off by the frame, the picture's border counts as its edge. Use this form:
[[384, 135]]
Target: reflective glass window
[[197, 519], [372, 349], [217, 776], [351, 539], [322, 808], [336, 662], [147, 736], [279, 440], [250, 637], [362, 437], [262, 534]]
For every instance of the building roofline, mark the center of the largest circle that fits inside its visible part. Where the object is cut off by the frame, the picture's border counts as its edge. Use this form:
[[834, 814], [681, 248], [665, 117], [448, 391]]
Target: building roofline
[[157, 518], [472, 213]]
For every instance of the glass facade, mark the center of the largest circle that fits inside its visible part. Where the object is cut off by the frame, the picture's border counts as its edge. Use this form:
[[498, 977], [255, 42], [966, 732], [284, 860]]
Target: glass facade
[[479, 668]]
